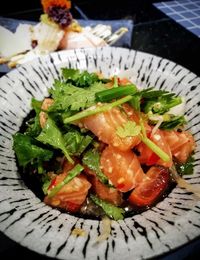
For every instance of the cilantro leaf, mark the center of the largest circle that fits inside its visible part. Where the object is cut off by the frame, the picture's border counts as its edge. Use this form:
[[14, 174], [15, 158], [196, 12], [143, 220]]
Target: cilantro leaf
[[79, 79], [112, 211], [130, 128], [27, 150], [186, 168], [51, 135], [92, 160], [69, 97], [34, 127], [76, 142]]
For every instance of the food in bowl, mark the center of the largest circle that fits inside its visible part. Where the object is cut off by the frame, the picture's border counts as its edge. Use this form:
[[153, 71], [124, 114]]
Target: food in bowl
[[100, 146]]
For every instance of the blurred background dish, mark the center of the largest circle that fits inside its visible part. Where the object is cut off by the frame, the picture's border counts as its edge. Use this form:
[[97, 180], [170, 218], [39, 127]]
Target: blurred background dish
[[118, 33], [56, 30]]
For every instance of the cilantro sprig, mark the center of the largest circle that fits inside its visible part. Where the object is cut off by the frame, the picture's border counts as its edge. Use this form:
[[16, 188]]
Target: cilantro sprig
[[68, 97], [130, 128], [28, 150], [96, 110], [52, 135]]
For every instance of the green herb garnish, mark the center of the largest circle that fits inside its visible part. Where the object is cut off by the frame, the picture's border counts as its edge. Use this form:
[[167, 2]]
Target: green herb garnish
[[76, 143], [111, 211], [99, 109], [130, 128], [173, 122], [113, 93], [28, 151], [80, 79], [70, 175], [52, 135], [92, 160], [68, 97], [34, 127], [185, 168], [155, 101]]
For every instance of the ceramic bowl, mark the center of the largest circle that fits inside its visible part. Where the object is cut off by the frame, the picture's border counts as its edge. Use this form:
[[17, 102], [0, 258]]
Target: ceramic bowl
[[24, 218]]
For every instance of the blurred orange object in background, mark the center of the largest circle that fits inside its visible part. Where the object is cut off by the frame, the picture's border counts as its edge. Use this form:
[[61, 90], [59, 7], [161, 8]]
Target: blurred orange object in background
[[61, 3]]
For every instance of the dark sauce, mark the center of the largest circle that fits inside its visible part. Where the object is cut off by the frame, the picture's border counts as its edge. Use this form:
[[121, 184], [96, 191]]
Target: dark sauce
[[88, 210]]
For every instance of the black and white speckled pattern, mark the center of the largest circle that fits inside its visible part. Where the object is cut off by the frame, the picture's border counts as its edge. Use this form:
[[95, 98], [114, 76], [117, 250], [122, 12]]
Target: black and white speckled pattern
[[24, 218]]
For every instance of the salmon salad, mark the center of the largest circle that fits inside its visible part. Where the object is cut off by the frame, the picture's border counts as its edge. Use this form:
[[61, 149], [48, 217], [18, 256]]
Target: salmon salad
[[101, 146]]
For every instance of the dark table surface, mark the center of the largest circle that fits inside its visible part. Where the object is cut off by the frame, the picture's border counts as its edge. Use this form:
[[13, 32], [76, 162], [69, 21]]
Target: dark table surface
[[154, 33]]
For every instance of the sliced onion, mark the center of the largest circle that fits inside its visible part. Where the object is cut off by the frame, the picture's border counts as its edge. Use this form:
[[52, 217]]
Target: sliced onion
[[160, 120], [183, 183], [106, 229], [179, 109]]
